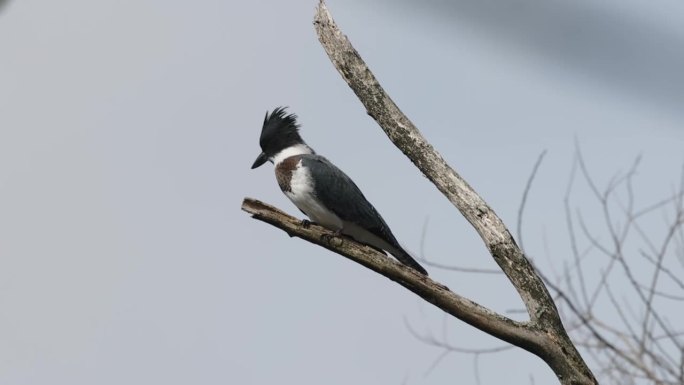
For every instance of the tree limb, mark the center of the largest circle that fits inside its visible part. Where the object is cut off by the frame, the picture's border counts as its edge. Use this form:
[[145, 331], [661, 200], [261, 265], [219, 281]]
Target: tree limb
[[411, 142], [557, 349], [517, 333]]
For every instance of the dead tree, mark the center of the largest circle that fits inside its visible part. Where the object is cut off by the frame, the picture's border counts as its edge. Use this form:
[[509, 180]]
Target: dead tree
[[543, 334], [619, 290]]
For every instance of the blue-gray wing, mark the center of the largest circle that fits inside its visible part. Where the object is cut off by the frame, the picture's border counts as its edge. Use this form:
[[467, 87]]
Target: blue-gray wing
[[341, 195]]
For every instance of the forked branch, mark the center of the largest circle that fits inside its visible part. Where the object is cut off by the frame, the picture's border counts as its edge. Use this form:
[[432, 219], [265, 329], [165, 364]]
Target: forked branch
[[544, 334], [558, 351]]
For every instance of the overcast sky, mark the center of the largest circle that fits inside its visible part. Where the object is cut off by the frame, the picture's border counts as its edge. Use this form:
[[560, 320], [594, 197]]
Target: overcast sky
[[127, 131]]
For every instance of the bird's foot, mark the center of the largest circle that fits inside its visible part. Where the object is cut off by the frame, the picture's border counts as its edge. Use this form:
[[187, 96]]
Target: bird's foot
[[334, 239], [306, 223]]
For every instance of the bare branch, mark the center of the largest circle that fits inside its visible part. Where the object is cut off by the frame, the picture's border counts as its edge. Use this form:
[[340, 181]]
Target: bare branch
[[526, 192], [458, 269], [432, 340], [643, 346], [514, 332], [410, 141]]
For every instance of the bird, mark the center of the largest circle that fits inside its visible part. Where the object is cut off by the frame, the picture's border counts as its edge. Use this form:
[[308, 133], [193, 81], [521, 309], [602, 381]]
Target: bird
[[323, 192]]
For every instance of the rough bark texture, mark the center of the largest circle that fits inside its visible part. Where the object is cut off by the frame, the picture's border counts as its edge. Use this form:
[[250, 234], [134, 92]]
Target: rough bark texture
[[544, 334]]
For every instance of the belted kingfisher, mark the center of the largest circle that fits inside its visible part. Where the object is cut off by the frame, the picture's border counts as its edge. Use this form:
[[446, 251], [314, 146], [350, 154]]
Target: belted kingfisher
[[321, 190]]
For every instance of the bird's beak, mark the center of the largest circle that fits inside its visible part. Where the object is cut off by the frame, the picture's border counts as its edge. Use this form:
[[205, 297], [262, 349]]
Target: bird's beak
[[261, 159]]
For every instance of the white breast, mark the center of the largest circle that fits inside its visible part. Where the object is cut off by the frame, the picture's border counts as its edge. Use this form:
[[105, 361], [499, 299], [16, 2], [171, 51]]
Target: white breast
[[302, 195]]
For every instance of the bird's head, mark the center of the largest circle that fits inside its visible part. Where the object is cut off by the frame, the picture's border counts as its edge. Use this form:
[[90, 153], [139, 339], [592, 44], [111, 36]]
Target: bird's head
[[279, 132]]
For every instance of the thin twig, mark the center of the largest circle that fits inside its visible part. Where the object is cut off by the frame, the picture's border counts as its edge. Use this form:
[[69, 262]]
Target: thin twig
[[526, 192]]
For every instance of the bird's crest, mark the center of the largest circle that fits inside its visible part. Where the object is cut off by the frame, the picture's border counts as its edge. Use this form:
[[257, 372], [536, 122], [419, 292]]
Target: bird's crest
[[280, 129]]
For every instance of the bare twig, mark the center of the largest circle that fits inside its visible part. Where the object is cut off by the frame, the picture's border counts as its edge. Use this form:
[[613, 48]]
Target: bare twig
[[458, 269], [523, 201], [643, 346]]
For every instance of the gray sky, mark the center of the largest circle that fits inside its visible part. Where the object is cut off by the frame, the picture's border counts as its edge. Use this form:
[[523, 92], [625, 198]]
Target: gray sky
[[127, 129]]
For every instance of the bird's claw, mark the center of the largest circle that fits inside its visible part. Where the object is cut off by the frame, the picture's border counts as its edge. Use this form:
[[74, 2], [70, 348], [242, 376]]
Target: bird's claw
[[330, 238]]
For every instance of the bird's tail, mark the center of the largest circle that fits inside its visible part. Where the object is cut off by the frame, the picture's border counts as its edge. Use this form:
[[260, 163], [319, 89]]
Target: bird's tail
[[407, 259]]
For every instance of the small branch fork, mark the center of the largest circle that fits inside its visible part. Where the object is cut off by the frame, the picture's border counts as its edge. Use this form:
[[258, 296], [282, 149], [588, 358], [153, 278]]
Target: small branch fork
[[544, 334]]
